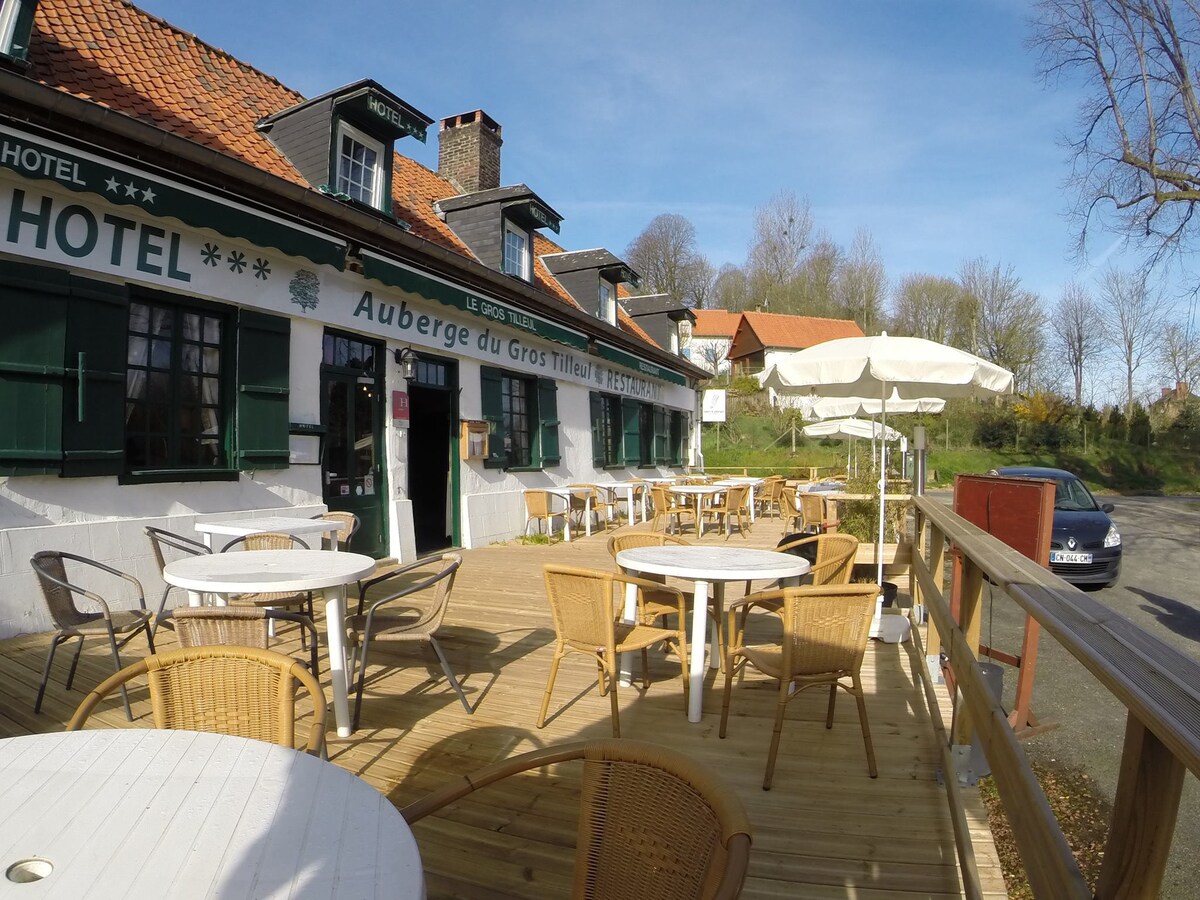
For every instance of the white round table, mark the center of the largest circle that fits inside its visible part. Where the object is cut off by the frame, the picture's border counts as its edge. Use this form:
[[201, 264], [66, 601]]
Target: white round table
[[706, 565], [145, 813], [699, 491], [255, 571]]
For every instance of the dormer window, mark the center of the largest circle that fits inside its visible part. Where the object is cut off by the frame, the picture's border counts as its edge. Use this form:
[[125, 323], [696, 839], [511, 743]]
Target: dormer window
[[16, 24], [343, 142], [359, 166], [516, 251], [607, 310]]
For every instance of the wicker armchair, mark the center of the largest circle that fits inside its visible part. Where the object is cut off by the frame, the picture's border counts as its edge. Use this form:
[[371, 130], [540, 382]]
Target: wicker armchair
[[539, 507], [692, 832], [813, 514], [240, 626], [789, 507], [733, 504], [418, 623], [581, 502], [767, 496], [269, 540], [825, 633], [584, 604], [668, 507], [832, 558], [74, 622], [348, 525], [242, 691], [168, 547]]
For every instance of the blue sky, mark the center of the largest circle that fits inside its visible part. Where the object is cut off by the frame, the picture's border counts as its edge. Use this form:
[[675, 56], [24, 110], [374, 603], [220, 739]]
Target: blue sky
[[921, 121]]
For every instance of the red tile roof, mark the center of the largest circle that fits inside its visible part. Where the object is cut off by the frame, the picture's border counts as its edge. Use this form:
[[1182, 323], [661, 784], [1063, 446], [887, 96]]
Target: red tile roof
[[797, 332], [112, 53], [714, 323]]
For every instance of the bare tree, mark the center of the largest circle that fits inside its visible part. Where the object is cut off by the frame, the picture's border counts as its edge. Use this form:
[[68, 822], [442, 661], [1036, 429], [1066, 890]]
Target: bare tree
[[1076, 333], [731, 289], [1132, 317], [1179, 356], [1009, 320], [1138, 150], [927, 306], [781, 233], [862, 283], [699, 279], [665, 255], [813, 291]]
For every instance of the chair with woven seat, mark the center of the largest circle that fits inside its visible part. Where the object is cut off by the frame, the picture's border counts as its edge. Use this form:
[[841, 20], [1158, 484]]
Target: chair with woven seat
[[168, 546], [832, 556], [242, 691], [825, 629], [581, 503], [652, 821], [271, 540], [241, 626], [539, 507], [733, 504], [767, 496], [813, 515], [73, 622], [585, 604], [667, 506], [425, 587], [789, 507], [348, 525]]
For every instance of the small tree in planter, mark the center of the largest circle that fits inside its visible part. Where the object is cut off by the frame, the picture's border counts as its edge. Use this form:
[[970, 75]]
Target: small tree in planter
[[861, 517]]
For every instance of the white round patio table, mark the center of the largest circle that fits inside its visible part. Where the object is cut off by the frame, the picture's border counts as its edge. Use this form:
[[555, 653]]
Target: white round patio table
[[254, 571], [706, 565], [148, 813]]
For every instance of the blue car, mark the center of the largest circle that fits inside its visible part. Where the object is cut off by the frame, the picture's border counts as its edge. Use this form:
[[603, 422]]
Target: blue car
[[1085, 546]]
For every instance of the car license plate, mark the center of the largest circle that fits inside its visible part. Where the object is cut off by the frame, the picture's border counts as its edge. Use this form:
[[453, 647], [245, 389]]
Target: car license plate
[[1064, 556]]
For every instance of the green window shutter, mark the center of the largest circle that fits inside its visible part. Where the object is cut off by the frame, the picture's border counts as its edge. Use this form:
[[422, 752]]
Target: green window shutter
[[677, 438], [34, 301], [661, 435], [685, 437], [492, 410], [263, 372], [94, 405], [630, 420], [547, 398], [596, 408]]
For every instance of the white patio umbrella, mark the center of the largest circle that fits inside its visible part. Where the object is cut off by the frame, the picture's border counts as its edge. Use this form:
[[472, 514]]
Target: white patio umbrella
[[849, 429], [906, 368]]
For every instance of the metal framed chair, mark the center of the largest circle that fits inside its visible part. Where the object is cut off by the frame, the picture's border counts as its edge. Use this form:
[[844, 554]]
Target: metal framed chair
[[767, 496], [789, 507], [429, 582], [832, 556], [240, 626], [580, 504], [825, 632], [733, 505], [584, 604], [813, 515], [668, 507], [681, 832], [269, 540], [168, 547], [73, 622], [348, 525], [539, 507], [243, 691]]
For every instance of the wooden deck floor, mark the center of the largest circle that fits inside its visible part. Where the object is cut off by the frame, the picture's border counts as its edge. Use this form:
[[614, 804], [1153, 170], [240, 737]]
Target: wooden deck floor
[[825, 830]]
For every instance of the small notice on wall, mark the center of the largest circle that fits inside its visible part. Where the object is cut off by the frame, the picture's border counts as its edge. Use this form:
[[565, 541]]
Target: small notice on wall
[[400, 407], [473, 442]]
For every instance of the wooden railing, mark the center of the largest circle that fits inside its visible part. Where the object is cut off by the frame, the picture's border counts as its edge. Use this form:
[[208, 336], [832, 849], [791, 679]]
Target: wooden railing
[[1159, 687], [803, 473]]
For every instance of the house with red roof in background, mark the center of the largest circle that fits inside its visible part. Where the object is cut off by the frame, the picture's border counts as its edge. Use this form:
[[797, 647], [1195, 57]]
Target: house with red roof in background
[[224, 299], [760, 338], [711, 336]]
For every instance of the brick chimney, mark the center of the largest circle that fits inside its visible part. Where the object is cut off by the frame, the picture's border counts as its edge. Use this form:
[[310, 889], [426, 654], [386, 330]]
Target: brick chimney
[[1182, 389], [469, 151]]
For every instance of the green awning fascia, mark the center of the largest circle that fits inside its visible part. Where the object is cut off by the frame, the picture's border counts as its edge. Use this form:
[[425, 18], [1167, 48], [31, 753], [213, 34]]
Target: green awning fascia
[[43, 160], [639, 365], [398, 276]]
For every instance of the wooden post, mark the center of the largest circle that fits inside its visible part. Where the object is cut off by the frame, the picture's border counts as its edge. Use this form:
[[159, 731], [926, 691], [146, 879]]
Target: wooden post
[[969, 619], [1144, 811]]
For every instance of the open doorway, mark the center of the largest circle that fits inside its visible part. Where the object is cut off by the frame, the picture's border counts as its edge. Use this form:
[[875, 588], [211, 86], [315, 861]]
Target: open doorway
[[433, 454]]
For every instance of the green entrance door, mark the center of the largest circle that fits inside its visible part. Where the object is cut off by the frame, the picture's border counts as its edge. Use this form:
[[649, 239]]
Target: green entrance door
[[352, 470]]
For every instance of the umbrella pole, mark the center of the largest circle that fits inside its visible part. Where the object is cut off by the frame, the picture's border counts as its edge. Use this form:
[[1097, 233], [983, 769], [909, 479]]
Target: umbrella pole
[[882, 485]]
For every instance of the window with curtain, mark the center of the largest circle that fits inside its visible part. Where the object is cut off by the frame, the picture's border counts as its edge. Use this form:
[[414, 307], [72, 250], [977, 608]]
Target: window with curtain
[[174, 414], [359, 166], [522, 416]]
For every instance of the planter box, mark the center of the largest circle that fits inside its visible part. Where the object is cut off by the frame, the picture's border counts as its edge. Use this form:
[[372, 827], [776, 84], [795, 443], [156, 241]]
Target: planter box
[[897, 559]]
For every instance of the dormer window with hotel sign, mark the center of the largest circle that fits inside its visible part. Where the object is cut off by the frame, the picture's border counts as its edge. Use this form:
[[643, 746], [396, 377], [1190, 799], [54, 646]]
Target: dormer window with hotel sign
[[592, 278], [343, 141], [16, 24], [498, 225]]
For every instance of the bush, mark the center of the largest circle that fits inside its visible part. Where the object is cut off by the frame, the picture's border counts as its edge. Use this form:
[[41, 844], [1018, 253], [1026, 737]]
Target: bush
[[997, 430]]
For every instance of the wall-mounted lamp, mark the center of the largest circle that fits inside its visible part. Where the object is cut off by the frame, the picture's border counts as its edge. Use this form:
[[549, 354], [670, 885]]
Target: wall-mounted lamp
[[406, 359]]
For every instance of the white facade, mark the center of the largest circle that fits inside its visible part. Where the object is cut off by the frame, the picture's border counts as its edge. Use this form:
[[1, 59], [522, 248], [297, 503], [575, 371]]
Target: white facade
[[102, 519]]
